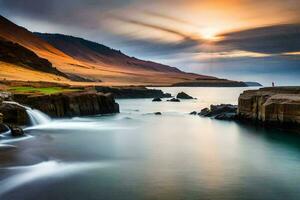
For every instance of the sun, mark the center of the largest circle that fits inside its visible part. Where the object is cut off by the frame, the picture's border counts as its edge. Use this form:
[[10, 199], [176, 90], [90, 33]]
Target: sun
[[209, 34]]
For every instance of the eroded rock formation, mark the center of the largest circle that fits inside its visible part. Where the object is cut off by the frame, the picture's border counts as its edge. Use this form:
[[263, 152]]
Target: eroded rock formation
[[71, 104], [271, 105]]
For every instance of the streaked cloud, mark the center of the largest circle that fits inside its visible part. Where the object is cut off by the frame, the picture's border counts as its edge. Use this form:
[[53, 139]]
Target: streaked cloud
[[189, 34]]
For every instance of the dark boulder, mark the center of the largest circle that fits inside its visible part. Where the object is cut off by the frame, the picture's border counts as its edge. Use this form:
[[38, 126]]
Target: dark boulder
[[13, 113], [183, 95], [174, 100], [156, 99], [193, 113], [16, 131], [221, 112], [204, 112], [157, 113], [222, 108]]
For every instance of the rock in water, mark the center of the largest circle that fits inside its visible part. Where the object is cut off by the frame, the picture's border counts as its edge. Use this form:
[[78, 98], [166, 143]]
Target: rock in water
[[156, 99], [204, 112], [221, 112], [174, 100], [193, 113], [183, 95], [157, 113], [16, 131]]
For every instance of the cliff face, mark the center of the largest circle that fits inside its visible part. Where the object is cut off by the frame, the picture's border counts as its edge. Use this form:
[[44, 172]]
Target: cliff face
[[271, 105], [71, 104]]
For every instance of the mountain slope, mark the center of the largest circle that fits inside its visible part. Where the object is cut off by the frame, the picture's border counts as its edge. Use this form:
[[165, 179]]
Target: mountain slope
[[20, 35], [84, 61], [16, 54], [88, 51]]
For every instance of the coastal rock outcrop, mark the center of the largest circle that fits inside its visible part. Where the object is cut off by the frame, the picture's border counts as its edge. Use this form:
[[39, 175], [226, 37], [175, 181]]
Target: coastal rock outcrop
[[183, 95], [133, 92], [279, 105], [71, 104], [156, 99], [174, 100], [221, 112]]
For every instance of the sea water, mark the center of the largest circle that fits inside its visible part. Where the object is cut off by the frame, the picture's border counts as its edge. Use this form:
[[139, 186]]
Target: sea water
[[139, 155]]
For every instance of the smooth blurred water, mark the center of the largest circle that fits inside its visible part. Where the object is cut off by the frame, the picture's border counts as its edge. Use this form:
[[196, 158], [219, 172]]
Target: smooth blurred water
[[138, 155]]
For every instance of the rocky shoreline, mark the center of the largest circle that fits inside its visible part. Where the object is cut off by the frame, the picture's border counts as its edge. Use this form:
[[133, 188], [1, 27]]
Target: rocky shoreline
[[273, 105], [133, 92], [277, 107], [69, 104]]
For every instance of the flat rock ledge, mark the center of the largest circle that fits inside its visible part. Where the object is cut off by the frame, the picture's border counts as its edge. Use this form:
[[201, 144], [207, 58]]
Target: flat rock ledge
[[71, 104], [275, 105]]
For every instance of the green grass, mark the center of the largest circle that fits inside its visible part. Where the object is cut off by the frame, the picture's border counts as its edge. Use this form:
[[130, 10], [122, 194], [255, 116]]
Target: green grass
[[44, 90]]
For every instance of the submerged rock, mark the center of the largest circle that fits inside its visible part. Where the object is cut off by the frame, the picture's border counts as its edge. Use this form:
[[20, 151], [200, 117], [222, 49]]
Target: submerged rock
[[174, 100], [226, 116], [183, 95], [156, 99]]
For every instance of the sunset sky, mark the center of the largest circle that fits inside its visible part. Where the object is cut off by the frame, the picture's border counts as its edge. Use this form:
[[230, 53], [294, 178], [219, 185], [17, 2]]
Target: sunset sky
[[239, 39]]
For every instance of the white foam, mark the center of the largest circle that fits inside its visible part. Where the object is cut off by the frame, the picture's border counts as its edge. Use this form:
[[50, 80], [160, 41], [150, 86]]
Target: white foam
[[45, 169]]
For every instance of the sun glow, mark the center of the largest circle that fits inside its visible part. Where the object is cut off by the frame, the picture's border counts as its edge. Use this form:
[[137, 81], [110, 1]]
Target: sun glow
[[209, 35]]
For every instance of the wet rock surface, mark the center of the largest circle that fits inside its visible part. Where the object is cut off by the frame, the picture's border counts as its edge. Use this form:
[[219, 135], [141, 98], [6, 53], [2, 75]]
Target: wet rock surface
[[12, 113], [221, 112], [16, 131]]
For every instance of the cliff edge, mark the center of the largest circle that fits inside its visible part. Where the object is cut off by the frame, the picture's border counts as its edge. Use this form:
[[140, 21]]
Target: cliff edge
[[279, 105]]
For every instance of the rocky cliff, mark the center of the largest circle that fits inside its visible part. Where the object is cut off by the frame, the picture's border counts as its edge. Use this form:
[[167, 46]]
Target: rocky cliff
[[71, 104], [279, 105]]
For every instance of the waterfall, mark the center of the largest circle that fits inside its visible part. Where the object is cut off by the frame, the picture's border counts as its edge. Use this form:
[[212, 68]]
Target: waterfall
[[36, 117]]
